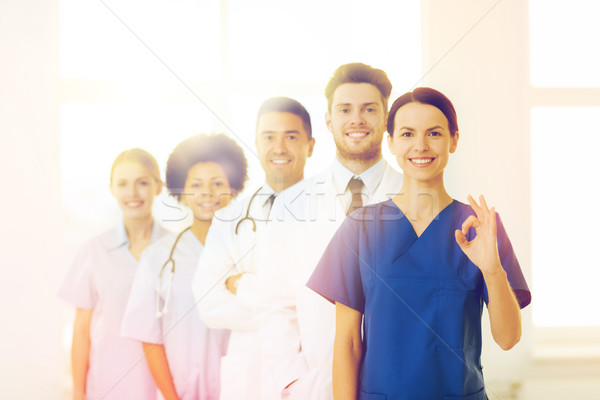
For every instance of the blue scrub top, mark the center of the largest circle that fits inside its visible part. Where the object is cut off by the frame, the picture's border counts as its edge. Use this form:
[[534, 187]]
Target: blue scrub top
[[421, 298]]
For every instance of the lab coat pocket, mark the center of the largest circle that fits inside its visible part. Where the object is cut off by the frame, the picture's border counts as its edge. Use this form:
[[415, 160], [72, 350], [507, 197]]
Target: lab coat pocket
[[371, 396], [480, 395], [235, 377], [458, 315]]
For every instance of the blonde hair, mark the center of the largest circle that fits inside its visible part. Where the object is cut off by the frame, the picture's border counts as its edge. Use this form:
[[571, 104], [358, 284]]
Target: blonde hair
[[139, 156]]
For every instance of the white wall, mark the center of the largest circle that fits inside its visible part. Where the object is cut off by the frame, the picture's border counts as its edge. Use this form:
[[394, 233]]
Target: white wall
[[476, 52], [31, 359]]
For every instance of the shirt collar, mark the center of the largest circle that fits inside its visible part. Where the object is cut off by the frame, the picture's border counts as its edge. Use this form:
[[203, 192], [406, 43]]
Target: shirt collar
[[371, 177], [118, 236], [287, 195]]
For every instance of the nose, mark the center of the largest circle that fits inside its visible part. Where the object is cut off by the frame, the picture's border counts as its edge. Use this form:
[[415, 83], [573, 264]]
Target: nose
[[421, 143], [279, 145], [206, 190], [132, 190], [356, 117]]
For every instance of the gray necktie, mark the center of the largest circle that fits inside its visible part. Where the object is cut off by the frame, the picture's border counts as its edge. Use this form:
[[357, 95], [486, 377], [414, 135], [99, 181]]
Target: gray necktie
[[355, 185], [269, 204]]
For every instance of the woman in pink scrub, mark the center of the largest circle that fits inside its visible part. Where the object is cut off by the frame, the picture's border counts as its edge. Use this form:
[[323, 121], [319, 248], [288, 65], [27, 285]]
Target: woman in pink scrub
[[105, 365]]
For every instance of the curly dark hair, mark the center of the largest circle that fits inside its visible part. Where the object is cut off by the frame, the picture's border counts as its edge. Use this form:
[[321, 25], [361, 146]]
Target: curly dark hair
[[217, 148]]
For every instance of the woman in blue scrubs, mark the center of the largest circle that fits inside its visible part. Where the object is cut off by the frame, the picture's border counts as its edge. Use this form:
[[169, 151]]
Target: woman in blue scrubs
[[413, 272]]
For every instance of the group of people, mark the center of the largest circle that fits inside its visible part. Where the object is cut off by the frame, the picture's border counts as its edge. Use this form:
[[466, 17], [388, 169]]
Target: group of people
[[357, 283]]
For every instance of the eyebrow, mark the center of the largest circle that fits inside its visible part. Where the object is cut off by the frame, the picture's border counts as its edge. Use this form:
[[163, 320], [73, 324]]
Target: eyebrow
[[212, 178], [289, 132], [137, 179], [372, 103], [433, 128]]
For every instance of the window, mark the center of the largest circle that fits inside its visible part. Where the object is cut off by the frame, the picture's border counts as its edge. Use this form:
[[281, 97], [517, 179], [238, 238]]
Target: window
[[565, 134], [151, 73]]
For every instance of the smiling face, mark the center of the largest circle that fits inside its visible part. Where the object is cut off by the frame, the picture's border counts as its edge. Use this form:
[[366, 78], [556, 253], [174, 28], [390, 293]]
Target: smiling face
[[134, 188], [422, 142], [206, 190], [283, 147], [357, 121]]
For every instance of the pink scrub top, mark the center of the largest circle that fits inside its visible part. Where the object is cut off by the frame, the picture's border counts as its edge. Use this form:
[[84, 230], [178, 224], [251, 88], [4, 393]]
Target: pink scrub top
[[100, 278], [193, 350]]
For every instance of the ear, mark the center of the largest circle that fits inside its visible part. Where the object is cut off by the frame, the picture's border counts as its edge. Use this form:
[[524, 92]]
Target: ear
[[454, 142], [390, 141], [311, 146], [328, 121], [385, 120]]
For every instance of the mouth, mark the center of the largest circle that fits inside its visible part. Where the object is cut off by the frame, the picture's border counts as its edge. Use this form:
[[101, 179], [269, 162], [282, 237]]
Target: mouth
[[134, 204], [280, 162], [209, 207], [422, 161], [354, 134]]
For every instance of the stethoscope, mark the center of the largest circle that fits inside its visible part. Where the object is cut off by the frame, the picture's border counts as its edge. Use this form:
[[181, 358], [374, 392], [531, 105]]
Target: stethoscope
[[248, 217], [159, 312]]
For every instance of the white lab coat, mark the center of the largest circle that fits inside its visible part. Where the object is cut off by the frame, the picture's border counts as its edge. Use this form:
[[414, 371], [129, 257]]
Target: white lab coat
[[263, 355], [316, 316]]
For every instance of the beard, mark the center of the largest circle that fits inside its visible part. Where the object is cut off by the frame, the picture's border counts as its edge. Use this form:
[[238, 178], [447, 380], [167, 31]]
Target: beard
[[364, 152]]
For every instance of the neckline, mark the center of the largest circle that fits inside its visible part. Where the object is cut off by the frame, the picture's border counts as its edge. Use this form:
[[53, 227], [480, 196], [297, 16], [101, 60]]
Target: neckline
[[436, 217]]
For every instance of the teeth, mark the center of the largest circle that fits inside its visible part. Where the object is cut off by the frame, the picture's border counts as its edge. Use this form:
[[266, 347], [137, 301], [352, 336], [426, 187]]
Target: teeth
[[421, 160], [357, 134], [279, 161]]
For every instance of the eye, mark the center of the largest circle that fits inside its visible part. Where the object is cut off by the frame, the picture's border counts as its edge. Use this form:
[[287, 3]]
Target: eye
[[370, 110], [292, 137], [435, 133], [344, 110], [144, 183], [406, 134], [195, 185], [218, 183]]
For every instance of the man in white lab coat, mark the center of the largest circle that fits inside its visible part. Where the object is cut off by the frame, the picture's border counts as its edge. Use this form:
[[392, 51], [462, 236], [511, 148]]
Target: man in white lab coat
[[236, 285], [357, 97]]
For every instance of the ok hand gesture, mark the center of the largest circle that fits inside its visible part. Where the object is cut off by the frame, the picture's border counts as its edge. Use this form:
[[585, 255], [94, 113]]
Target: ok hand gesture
[[483, 249]]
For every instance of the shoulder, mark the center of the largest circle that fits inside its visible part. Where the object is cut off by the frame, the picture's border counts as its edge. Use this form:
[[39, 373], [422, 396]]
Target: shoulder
[[102, 242], [465, 210], [391, 176], [234, 210], [316, 183], [161, 244], [161, 231]]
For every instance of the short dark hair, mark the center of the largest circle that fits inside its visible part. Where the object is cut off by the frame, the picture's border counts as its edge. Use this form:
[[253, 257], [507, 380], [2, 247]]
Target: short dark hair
[[217, 148], [429, 96], [359, 73], [286, 104]]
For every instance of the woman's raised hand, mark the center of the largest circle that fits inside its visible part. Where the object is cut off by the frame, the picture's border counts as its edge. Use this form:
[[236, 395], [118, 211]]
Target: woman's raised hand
[[483, 249]]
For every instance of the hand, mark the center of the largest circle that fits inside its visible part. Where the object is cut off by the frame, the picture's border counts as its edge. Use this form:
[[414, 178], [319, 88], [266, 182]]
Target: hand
[[231, 283], [483, 249]]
